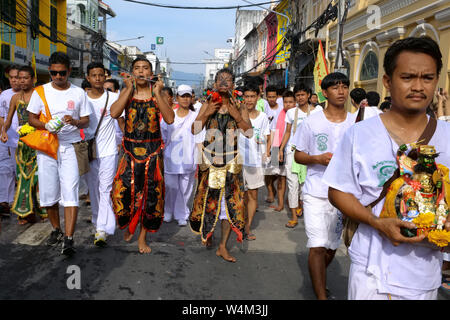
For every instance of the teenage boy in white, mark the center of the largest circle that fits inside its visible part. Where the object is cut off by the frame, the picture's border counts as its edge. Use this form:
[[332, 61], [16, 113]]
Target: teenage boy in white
[[316, 140], [8, 149], [384, 263], [272, 113], [294, 118], [59, 179], [252, 151], [102, 169]]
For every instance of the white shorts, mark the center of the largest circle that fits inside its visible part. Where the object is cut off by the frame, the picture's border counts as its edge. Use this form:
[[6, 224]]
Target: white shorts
[[363, 286], [275, 171], [58, 179], [323, 223], [253, 177]]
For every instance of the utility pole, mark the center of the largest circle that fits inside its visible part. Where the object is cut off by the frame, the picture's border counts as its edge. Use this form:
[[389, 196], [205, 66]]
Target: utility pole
[[342, 15]]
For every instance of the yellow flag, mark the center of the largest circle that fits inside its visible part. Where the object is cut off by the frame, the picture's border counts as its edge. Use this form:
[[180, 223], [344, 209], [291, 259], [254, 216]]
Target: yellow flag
[[33, 65], [320, 71]]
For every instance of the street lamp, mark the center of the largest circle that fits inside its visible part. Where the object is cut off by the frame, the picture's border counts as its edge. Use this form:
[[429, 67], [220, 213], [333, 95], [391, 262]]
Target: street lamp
[[126, 39]]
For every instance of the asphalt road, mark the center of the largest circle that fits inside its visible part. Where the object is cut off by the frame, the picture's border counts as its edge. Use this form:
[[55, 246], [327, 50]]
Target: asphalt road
[[273, 267]]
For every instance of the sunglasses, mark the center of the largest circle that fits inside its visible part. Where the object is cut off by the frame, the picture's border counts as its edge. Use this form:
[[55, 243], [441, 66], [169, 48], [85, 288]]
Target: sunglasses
[[62, 73]]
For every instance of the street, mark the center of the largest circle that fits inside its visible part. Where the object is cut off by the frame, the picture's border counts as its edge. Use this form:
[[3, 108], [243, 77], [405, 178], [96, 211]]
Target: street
[[273, 267]]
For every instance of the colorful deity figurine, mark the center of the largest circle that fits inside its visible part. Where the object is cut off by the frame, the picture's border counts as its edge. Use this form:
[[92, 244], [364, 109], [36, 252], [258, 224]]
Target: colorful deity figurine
[[421, 194]]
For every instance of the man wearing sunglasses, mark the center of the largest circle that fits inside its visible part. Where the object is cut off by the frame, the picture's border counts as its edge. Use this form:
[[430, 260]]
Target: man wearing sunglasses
[[59, 179]]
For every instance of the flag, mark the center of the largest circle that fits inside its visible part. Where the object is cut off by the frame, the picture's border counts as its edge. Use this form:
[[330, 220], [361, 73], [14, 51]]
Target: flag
[[33, 65], [320, 71]]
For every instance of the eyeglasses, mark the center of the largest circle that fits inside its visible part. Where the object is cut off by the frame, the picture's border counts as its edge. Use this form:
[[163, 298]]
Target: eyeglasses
[[62, 73]]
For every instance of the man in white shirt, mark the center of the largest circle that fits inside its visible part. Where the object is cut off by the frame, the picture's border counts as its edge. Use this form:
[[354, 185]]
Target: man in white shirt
[[113, 85], [272, 113], [8, 149], [294, 118], [316, 141], [59, 179], [252, 151], [102, 169], [359, 101], [384, 263]]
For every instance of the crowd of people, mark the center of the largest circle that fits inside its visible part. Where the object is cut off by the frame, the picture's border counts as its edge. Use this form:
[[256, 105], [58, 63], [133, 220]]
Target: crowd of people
[[156, 151]]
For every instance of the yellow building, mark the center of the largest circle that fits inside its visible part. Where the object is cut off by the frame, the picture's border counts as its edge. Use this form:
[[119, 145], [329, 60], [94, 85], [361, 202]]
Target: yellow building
[[373, 25], [19, 42]]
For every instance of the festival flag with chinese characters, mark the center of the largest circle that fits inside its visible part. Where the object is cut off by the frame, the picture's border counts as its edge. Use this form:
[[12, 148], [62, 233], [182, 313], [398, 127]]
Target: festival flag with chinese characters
[[320, 71]]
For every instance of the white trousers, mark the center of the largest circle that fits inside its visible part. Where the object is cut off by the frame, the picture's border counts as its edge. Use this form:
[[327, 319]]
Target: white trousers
[[179, 189], [100, 179], [294, 187], [7, 173], [58, 179], [363, 286]]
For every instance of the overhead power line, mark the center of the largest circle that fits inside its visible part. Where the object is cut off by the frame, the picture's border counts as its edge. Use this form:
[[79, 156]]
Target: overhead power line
[[198, 8]]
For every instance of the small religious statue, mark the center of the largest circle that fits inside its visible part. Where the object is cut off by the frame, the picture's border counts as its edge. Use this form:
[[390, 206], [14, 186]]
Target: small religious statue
[[421, 194]]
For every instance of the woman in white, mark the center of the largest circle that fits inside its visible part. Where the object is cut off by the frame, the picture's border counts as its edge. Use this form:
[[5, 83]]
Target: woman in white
[[179, 158], [102, 169]]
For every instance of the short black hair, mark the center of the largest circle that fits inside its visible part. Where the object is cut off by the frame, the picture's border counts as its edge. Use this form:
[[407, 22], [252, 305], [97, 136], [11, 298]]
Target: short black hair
[[251, 86], [108, 72], [385, 105], [59, 57], [141, 58], [358, 95], [85, 84], [314, 94], [300, 86], [28, 69], [13, 67], [115, 83], [94, 65], [280, 90], [271, 89], [333, 79], [168, 90], [412, 44], [373, 98], [288, 94], [224, 70]]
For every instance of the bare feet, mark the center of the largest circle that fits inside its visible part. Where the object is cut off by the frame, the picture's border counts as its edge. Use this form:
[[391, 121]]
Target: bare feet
[[127, 236], [269, 200], [223, 252], [143, 247], [208, 243], [279, 208]]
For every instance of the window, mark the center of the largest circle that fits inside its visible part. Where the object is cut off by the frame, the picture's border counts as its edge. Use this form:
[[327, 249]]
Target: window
[[369, 69], [53, 23], [6, 52], [8, 11], [82, 14]]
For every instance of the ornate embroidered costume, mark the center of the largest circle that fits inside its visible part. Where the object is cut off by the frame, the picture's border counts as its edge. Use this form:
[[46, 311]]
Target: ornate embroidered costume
[[26, 196], [219, 175], [138, 187]]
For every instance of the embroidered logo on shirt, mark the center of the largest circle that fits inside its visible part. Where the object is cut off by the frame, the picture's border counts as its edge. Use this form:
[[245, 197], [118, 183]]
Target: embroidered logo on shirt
[[70, 105], [322, 139], [384, 170]]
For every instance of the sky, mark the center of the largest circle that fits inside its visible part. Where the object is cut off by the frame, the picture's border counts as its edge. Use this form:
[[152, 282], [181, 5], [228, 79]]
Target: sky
[[187, 33]]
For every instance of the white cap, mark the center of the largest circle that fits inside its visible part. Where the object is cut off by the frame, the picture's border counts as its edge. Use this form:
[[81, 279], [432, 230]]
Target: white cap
[[183, 89]]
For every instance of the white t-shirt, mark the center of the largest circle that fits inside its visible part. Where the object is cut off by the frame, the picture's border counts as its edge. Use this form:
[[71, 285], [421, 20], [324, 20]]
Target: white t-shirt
[[72, 102], [106, 136], [290, 115], [364, 160], [273, 113], [180, 149], [280, 102], [5, 99], [370, 112], [318, 135], [251, 152]]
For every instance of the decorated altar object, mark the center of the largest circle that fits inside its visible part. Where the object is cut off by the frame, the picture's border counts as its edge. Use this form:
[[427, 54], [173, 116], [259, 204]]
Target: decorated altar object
[[420, 195]]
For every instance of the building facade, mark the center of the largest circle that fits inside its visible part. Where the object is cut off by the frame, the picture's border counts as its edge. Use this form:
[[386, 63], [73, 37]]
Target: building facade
[[31, 28], [372, 26]]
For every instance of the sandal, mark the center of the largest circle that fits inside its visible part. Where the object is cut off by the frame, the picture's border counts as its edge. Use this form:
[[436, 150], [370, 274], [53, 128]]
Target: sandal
[[250, 237], [299, 212], [445, 283], [291, 224]]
